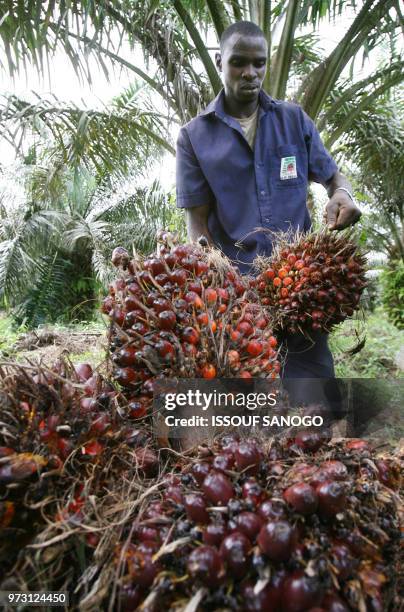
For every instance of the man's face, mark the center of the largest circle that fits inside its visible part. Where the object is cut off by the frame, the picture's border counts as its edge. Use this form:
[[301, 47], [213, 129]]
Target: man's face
[[243, 62]]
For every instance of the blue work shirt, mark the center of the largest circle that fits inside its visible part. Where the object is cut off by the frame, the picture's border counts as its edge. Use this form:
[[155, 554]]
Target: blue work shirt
[[249, 190]]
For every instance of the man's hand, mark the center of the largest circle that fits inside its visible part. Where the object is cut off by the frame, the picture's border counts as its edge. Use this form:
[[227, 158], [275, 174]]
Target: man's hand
[[341, 212]]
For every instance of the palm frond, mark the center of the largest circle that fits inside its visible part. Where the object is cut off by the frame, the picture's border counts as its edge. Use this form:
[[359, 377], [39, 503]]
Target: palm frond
[[109, 139]]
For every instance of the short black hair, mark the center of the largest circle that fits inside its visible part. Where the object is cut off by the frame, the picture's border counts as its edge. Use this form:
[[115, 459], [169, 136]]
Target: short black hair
[[246, 28]]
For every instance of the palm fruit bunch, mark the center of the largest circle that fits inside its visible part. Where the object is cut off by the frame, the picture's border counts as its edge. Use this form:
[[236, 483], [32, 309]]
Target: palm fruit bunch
[[58, 423], [184, 312], [255, 527], [312, 281]]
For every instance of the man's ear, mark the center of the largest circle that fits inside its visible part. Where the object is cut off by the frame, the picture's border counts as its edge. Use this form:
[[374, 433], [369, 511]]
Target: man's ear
[[218, 59]]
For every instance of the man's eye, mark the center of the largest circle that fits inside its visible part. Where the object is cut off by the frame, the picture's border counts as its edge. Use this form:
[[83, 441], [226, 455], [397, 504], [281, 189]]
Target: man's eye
[[260, 64]]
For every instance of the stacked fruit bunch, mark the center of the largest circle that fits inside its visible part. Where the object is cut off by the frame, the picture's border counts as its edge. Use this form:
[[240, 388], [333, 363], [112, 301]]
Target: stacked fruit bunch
[[312, 281], [184, 312], [254, 528], [58, 424]]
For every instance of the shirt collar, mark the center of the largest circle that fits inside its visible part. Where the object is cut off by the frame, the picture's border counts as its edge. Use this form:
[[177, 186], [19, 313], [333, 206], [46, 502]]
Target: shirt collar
[[217, 105]]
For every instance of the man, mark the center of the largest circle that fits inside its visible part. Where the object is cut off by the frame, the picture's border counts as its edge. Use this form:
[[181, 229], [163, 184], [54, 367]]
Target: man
[[245, 162]]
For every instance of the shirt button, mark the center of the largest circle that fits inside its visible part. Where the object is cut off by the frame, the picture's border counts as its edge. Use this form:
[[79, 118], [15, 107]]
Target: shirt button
[[262, 192]]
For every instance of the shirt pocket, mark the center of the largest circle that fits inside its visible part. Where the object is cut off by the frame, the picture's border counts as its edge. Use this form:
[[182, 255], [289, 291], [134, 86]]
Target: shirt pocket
[[289, 167]]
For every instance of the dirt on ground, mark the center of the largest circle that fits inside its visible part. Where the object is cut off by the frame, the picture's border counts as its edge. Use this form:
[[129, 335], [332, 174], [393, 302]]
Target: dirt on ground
[[48, 344]]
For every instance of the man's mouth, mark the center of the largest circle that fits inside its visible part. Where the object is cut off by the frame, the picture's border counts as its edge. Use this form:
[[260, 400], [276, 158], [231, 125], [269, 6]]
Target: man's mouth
[[250, 87]]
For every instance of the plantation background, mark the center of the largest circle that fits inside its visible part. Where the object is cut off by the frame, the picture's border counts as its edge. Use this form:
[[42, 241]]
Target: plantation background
[[92, 99]]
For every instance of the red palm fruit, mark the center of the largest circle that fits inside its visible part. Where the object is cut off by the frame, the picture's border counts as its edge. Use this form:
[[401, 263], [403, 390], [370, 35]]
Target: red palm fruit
[[101, 423], [254, 348], [195, 286], [137, 409], [199, 471], [190, 263], [147, 461], [126, 376], [107, 304], [126, 356], [247, 458], [332, 603], [6, 451], [245, 328], [83, 371], [236, 335], [234, 550], [244, 374], [269, 274], [223, 461], [117, 315], [193, 298], [155, 265], [167, 319], [261, 323], [277, 540], [221, 308], [277, 282], [210, 296], [179, 277], [201, 267], [195, 508], [301, 592], [93, 448], [214, 534], [302, 497], [170, 259], [268, 599], [190, 335], [331, 498], [203, 318], [309, 441], [284, 292], [233, 357], [204, 564], [208, 371], [165, 349], [272, 510], [249, 523], [287, 281], [159, 304], [282, 272], [174, 494], [336, 470], [222, 294], [217, 488], [181, 250], [120, 256], [356, 444]]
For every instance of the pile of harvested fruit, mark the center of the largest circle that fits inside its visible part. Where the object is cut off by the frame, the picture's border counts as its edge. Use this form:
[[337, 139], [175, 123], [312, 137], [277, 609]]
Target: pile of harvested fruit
[[185, 312], [252, 527], [312, 281], [90, 506]]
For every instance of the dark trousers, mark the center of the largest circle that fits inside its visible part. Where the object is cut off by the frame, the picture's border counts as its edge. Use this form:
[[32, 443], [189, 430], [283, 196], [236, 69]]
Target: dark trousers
[[308, 372]]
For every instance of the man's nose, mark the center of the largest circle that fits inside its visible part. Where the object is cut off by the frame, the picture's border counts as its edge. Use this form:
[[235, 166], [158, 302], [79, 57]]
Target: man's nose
[[249, 72]]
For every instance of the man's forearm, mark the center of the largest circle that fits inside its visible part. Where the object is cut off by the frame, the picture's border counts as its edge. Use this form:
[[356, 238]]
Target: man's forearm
[[338, 180], [197, 223]]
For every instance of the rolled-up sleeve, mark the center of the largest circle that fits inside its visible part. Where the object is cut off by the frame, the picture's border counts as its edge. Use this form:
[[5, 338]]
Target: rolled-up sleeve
[[321, 165], [191, 184]]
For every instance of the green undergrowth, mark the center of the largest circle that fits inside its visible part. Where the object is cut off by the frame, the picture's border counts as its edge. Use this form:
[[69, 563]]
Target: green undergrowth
[[378, 356]]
